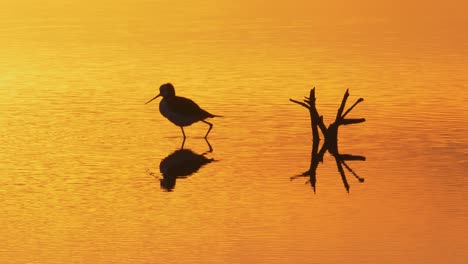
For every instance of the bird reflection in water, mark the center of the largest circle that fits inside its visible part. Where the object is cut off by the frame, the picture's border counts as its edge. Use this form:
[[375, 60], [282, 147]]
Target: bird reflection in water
[[180, 164]]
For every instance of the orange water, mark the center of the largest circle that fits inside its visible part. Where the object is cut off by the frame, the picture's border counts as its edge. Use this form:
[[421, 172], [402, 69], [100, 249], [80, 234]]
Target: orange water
[[81, 152]]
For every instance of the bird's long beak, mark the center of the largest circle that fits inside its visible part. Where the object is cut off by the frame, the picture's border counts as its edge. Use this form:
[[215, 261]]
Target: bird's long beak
[[153, 98]]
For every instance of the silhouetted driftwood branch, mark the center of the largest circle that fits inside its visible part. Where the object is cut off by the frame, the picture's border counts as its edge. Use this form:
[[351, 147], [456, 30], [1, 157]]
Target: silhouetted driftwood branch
[[351, 108], [350, 121], [330, 134], [300, 103]]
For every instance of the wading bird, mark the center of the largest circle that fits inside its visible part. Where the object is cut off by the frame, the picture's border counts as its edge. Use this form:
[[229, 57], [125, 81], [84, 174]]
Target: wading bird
[[179, 110]]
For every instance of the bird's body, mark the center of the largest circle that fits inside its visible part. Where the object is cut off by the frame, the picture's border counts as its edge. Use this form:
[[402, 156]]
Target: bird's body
[[179, 110], [182, 111]]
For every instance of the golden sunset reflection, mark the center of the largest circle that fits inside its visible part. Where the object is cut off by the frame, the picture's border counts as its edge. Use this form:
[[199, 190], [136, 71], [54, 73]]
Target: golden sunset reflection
[[82, 172]]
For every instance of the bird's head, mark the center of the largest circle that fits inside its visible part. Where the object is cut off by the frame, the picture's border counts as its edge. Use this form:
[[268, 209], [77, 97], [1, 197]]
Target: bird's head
[[166, 90]]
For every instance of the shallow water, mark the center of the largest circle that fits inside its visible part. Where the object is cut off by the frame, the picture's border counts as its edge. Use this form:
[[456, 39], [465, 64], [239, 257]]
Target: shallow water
[[80, 171]]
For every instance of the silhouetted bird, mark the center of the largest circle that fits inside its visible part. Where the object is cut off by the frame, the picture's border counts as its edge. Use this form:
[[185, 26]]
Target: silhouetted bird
[[181, 111]]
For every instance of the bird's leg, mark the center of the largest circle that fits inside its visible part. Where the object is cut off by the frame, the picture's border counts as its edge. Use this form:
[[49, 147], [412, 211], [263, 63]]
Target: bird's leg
[[209, 129], [209, 145], [183, 142], [183, 133]]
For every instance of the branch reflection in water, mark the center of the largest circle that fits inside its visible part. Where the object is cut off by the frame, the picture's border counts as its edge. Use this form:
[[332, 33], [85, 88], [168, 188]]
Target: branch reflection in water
[[330, 134], [317, 156], [182, 163]]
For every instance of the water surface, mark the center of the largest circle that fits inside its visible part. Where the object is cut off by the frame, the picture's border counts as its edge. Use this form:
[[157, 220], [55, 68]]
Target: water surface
[[81, 153]]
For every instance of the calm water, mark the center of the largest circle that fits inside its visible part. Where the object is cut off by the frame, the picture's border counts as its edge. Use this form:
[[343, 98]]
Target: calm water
[[81, 153]]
